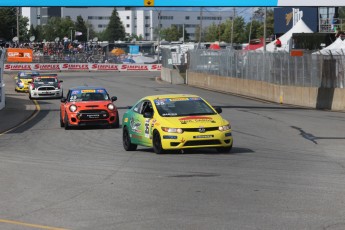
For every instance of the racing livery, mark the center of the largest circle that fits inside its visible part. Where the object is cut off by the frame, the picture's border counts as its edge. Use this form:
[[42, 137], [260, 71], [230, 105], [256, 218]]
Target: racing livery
[[45, 86], [175, 122], [86, 105], [22, 80]]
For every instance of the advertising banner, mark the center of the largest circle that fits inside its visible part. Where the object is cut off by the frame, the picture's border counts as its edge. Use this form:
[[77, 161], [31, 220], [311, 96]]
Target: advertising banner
[[8, 67], [19, 55]]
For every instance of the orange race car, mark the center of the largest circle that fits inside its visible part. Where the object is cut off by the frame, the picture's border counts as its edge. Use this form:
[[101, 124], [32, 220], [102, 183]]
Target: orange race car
[[87, 105]]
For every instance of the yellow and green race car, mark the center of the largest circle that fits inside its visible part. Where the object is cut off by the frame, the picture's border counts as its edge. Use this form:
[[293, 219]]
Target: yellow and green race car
[[175, 122], [23, 79]]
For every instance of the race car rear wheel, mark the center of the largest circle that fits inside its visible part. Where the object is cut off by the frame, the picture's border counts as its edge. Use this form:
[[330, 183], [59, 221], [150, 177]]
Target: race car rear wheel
[[126, 140], [157, 143]]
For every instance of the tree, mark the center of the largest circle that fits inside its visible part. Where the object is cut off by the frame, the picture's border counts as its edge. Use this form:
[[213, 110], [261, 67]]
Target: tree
[[58, 27], [80, 26], [212, 33], [171, 34], [8, 23], [115, 30]]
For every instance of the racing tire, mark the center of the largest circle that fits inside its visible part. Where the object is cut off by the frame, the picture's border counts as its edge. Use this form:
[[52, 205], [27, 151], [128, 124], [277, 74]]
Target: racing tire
[[157, 143], [116, 124], [66, 123], [126, 141], [61, 121], [224, 149]]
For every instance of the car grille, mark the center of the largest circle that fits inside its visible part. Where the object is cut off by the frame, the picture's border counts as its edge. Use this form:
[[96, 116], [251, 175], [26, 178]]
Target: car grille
[[197, 129], [202, 142], [92, 114], [45, 88]]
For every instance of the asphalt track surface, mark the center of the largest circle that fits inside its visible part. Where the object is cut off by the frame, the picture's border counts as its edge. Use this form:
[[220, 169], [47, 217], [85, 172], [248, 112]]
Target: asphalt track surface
[[286, 169]]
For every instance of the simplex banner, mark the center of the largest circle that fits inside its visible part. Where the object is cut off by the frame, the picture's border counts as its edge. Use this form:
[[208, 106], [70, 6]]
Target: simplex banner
[[9, 67]]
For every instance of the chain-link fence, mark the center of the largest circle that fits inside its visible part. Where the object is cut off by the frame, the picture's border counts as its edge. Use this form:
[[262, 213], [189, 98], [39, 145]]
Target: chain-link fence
[[310, 69]]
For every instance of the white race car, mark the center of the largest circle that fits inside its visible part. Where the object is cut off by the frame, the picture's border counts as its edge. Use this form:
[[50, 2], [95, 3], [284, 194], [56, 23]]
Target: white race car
[[45, 86]]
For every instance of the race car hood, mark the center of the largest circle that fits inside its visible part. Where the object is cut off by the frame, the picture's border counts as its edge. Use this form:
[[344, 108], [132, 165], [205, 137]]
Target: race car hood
[[39, 84], [193, 121], [91, 104]]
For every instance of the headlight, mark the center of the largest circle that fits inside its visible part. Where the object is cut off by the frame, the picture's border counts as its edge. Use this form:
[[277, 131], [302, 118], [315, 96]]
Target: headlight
[[73, 108], [172, 130], [111, 106], [225, 127]]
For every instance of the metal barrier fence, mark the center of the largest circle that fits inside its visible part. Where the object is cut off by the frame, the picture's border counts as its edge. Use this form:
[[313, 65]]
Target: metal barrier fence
[[2, 84], [309, 70]]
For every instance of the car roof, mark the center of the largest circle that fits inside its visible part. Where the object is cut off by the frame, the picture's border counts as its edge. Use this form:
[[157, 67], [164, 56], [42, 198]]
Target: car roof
[[86, 87], [161, 96]]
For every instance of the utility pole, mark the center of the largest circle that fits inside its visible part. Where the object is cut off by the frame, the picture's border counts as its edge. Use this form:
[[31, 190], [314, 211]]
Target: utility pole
[[232, 27], [200, 27], [159, 34], [265, 16], [18, 24]]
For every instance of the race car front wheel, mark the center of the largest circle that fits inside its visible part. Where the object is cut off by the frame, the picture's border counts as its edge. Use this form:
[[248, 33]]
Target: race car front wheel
[[61, 121], [157, 143], [66, 122], [126, 140]]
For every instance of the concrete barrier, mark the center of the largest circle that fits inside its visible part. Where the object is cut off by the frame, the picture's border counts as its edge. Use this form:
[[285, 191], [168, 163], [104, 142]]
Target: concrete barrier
[[311, 97], [172, 76]]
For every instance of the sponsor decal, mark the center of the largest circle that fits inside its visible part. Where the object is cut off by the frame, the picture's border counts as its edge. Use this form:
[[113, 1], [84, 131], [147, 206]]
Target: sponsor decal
[[135, 125], [192, 119], [203, 136], [88, 91], [104, 67], [169, 137], [136, 136], [126, 119], [134, 67]]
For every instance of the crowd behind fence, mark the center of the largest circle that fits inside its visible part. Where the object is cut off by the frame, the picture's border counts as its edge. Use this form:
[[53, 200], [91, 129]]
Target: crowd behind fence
[[81, 52], [309, 70]]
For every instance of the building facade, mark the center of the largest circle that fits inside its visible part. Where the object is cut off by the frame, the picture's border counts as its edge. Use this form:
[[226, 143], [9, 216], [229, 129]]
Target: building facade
[[136, 21]]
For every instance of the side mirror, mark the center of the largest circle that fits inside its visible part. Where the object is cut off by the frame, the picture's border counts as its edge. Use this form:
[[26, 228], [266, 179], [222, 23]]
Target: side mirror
[[30, 81], [148, 115], [129, 107], [114, 98], [60, 80], [63, 100], [218, 109]]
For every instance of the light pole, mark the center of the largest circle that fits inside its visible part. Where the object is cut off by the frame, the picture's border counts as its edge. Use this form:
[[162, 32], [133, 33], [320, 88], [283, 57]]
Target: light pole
[[71, 28]]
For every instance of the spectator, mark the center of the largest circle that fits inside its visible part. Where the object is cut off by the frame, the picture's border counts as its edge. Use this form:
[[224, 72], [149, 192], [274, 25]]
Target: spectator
[[278, 43]]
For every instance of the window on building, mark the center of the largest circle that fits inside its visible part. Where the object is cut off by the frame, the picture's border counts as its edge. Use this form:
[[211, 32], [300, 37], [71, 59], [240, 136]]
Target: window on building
[[147, 17], [127, 25], [147, 25], [187, 17], [128, 17]]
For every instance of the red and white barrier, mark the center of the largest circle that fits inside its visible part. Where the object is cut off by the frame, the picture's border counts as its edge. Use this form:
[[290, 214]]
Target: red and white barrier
[[81, 67]]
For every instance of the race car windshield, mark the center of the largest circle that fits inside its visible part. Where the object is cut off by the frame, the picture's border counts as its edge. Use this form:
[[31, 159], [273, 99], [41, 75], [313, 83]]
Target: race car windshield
[[45, 80], [88, 95], [176, 107], [27, 76]]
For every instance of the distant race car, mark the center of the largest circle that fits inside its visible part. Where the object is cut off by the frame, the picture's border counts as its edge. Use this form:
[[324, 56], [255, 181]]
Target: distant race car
[[175, 122], [86, 105], [45, 86], [22, 80]]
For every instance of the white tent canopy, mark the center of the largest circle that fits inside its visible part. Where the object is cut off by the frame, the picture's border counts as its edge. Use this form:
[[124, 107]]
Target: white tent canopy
[[299, 27], [336, 48]]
